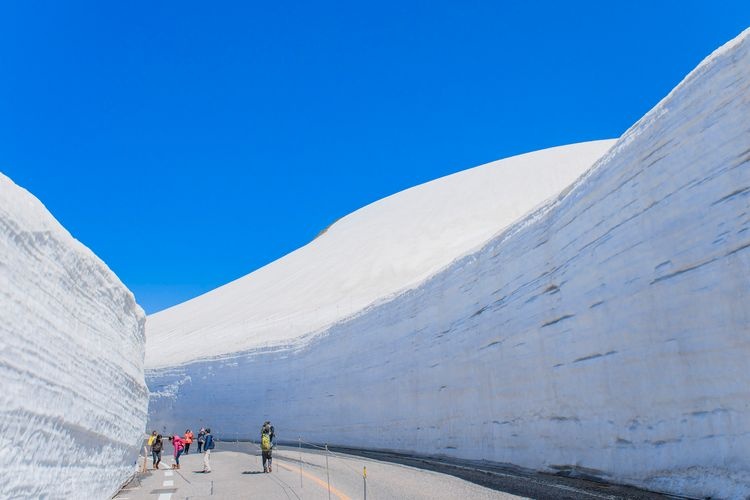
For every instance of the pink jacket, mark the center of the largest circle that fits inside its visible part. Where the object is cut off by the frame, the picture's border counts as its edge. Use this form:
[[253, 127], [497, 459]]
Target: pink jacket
[[178, 444]]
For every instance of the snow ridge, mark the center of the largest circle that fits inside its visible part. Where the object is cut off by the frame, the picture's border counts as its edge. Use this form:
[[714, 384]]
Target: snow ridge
[[604, 333], [73, 404], [365, 258]]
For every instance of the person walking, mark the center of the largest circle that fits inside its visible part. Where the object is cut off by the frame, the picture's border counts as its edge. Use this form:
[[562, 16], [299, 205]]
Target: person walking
[[150, 443], [188, 440], [151, 438], [201, 438], [156, 448], [267, 428], [208, 446], [179, 447], [266, 447]]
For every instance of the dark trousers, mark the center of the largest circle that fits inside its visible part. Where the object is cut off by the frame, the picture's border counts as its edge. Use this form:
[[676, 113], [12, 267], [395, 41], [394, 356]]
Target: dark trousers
[[157, 457], [200, 445], [267, 458], [187, 447]]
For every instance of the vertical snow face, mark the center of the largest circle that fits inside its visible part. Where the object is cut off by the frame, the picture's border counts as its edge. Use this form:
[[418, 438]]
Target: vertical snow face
[[73, 400], [606, 333]]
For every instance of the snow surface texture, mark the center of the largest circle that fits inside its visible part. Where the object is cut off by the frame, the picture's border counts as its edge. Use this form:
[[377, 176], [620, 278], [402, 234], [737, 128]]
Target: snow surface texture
[[605, 333], [366, 257], [73, 400]]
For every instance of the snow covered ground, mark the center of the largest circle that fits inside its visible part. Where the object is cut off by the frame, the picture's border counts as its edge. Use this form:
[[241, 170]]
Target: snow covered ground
[[73, 399], [366, 257], [604, 332]]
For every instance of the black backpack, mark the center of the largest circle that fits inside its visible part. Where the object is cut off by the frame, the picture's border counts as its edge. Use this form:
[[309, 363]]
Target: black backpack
[[156, 447]]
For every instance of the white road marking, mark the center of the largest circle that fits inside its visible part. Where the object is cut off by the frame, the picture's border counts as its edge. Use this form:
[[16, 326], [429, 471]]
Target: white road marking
[[168, 483], [165, 496], [168, 473]]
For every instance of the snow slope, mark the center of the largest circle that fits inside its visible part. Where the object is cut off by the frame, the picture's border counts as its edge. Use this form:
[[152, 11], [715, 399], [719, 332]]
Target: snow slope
[[366, 257], [604, 333], [73, 399]]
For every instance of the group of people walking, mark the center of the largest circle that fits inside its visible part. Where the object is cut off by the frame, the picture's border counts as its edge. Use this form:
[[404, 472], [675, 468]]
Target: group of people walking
[[205, 439], [181, 445]]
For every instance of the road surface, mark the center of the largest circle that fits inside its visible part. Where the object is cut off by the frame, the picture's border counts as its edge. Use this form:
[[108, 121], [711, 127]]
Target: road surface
[[301, 474], [297, 475]]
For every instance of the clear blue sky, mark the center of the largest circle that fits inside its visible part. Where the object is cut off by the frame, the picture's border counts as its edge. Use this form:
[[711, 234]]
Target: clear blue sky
[[189, 143]]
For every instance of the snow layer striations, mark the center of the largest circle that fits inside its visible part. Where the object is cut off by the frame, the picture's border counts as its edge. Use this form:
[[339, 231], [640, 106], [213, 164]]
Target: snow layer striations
[[73, 400], [605, 333], [366, 257]]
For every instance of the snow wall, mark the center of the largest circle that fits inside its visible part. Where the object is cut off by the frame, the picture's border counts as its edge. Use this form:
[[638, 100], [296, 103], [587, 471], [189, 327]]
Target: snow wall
[[73, 401], [607, 333]]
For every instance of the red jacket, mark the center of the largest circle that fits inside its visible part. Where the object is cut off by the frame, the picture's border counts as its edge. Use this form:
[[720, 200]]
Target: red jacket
[[178, 444], [189, 437]]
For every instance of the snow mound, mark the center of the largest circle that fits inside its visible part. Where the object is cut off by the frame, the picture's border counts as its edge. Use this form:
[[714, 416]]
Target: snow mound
[[73, 400], [605, 333], [364, 258]]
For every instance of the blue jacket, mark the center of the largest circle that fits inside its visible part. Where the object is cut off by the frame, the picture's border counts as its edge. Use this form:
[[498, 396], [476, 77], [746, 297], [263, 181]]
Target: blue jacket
[[209, 445]]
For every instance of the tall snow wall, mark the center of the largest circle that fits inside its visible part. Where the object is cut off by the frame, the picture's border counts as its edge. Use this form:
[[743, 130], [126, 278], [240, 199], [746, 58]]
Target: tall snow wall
[[606, 333], [73, 401]]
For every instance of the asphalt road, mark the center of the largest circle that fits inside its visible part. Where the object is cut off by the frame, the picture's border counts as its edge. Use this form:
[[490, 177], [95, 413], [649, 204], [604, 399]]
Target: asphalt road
[[301, 473], [297, 475], [520, 482]]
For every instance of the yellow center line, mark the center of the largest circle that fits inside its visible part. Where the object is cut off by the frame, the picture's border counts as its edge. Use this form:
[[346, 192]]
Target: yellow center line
[[336, 492]]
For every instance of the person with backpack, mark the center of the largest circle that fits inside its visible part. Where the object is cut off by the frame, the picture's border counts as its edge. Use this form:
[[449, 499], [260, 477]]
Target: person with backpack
[[188, 439], [266, 445], [267, 428], [179, 447], [156, 448], [201, 439], [208, 446]]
